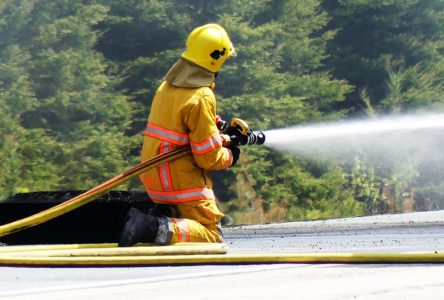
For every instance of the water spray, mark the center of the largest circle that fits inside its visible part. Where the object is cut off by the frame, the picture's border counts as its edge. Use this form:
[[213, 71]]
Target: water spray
[[384, 126], [413, 139]]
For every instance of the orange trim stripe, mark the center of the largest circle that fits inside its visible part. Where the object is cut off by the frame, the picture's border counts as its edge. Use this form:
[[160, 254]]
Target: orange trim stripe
[[184, 234], [165, 134], [183, 227], [164, 169], [168, 170], [187, 232], [229, 159], [182, 195], [207, 145], [179, 236]]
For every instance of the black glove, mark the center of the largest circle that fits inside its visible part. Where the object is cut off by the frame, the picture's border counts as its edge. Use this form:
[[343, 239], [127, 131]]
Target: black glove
[[222, 125], [235, 151]]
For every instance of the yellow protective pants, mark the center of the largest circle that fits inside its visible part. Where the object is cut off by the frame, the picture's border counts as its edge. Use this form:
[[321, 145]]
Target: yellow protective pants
[[199, 222]]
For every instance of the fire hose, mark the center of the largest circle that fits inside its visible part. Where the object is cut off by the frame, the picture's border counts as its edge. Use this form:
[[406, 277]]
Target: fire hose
[[239, 134], [92, 194], [108, 254]]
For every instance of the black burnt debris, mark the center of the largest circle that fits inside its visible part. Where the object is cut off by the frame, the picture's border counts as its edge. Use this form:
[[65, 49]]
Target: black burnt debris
[[99, 221]]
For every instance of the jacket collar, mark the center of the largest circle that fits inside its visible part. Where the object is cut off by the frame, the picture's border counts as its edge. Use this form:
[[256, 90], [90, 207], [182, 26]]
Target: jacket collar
[[189, 75]]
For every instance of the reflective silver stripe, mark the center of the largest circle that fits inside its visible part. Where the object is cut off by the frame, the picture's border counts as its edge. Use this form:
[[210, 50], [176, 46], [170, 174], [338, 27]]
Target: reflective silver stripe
[[168, 135], [163, 168], [183, 229], [181, 196], [229, 158], [165, 231], [178, 196], [211, 144]]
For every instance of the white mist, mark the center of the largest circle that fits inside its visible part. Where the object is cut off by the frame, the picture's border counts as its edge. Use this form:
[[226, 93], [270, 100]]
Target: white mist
[[418, 138]]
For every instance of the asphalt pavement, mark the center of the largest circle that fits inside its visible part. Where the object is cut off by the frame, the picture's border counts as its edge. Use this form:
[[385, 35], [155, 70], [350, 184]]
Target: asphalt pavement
[[415, 232]]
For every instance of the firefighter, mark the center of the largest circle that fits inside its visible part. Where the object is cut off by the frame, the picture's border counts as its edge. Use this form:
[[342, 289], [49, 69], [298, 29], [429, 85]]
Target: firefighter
[[183, 112]]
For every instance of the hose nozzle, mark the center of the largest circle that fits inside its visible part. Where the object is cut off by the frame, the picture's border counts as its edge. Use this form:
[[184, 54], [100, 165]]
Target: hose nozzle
[[237, 133], [255, 138], [251, 138]]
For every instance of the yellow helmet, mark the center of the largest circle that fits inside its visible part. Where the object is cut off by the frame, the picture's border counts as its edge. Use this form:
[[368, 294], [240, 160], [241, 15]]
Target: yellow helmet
[[209, 47]]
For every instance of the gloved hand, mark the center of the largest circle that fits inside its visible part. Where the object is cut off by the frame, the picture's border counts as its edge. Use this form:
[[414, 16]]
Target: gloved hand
[[235, 151], [235, 135], [221, 124], [237, 130]]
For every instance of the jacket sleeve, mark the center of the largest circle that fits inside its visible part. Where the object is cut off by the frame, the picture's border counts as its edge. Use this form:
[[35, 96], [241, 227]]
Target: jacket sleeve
[[205, 140]]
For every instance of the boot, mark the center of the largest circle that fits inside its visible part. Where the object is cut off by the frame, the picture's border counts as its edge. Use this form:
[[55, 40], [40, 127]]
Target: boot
[[164, 210], [139, 227]]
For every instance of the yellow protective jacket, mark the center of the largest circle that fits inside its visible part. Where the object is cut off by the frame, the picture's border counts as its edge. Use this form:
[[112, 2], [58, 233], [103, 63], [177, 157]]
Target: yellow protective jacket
[[182, 116]]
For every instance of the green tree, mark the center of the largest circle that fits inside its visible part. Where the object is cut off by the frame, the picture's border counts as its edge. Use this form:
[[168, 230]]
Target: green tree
[[392, 52], [23, 152], [60, 99], [391, 49], [78, 78], [277, 81]]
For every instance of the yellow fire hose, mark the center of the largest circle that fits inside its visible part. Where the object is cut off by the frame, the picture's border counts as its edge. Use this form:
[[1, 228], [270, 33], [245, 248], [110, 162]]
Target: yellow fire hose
[[156, 259], [141, 255], [73, 247], [113, 250], [92, 194], [6, 249], [108, 254]]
